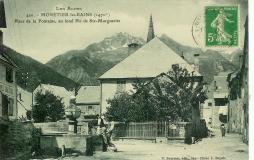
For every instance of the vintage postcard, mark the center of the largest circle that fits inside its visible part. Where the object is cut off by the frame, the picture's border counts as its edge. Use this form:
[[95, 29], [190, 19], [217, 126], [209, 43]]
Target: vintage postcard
[[124, 79]]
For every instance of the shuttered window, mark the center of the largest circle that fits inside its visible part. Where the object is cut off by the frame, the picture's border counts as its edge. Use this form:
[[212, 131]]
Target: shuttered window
[[10, 107], [9, 75]]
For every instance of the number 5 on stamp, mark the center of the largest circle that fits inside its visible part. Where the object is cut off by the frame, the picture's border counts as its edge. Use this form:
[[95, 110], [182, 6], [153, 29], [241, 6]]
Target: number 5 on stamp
[[221, 25]]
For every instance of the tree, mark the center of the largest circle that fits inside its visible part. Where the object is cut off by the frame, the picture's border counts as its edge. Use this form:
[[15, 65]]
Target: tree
[[190, 93], [47, 106], [176, 94], [132, 107], [122, 108]]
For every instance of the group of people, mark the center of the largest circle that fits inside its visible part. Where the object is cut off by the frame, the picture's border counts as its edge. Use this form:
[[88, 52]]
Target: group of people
[[105, 129]]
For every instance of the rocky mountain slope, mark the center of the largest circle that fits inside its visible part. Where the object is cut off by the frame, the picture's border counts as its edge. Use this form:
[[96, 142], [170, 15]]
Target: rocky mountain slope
[[211, 62], [85, 66], [31, 72]]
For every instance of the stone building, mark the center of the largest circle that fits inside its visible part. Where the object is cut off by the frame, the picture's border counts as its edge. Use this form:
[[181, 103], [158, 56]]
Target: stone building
[[24, 103], [8, 86], [239, 96], [146, 63], [220, 97], [88, 100], [215, 108]]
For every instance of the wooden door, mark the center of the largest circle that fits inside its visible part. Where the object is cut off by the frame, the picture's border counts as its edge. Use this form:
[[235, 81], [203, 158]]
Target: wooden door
[[5, 106]]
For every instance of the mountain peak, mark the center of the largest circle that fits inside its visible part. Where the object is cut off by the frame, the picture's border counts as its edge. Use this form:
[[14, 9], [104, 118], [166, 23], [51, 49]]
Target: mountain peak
[[98, 57], [114, 42], [125, 38]]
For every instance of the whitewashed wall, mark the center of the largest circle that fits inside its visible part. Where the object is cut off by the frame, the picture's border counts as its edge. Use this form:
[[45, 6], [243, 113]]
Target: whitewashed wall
[[108, 91], [207, 110], [24, 98], [9, 89]]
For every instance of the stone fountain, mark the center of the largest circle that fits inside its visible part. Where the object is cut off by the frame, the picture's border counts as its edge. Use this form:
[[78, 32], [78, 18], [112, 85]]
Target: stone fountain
[[72, 114]]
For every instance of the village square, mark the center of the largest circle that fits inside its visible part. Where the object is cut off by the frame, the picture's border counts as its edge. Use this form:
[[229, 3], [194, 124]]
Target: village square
[[155, 101]]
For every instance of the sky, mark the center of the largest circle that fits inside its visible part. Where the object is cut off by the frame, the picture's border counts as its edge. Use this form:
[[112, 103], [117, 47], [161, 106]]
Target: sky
[[45, 41]]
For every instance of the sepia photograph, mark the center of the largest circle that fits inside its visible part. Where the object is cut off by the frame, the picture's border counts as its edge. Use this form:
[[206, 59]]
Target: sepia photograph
[[124, 80]]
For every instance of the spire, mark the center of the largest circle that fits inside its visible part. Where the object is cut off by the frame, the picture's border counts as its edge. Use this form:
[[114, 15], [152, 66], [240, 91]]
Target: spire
[[150, 34], [2, 15]]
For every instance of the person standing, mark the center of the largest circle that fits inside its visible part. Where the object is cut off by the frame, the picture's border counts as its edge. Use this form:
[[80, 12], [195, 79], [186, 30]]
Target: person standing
[[109, 132], [102, 128], [223, 130], [106, 129]]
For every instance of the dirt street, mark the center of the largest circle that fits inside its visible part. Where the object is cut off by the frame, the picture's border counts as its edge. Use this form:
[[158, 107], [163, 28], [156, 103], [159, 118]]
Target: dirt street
[[217, 148]]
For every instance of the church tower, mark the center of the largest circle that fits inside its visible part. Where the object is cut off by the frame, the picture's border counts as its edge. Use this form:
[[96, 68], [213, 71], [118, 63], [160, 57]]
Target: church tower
[[150, 34]]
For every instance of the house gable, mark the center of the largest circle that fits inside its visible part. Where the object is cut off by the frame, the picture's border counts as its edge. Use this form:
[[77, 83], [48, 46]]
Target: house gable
[[149, 61]]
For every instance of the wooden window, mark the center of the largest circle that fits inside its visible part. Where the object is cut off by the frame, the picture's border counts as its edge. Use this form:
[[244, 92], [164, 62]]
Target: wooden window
[[221, 101], [4, 105], [90, 107], [20, 98], [9, 74], [10, 107]]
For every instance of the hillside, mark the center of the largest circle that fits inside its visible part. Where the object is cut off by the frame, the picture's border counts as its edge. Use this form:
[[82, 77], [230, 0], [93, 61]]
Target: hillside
[[36, 72], [85, 66], [211, 62]]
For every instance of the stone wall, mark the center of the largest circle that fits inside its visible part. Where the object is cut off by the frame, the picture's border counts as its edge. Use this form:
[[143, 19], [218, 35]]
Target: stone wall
[[18, 141], [53, 127], [215, 117], [236, 116], [52, 144], [61, 127]]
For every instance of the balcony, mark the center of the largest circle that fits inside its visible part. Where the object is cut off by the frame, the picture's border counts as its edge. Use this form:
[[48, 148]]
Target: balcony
[[220, 95], [7, 88]]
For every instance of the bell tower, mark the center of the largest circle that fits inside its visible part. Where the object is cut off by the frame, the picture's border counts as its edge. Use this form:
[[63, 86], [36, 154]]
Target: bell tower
[[150, 34], [2, 21]]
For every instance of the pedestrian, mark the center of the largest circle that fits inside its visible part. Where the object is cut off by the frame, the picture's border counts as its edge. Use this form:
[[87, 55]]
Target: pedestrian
[[223, 130], [102, 124], [109, 132], [106, 129]]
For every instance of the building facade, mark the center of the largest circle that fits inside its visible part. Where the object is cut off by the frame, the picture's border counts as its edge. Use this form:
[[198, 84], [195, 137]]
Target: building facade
[[239, 95], [88, 100], [149, 61], [24, 103], [220, 96], [8, 86], [215, 108]]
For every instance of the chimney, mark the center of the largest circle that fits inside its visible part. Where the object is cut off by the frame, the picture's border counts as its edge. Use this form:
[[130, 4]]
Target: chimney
[[196, 62], [132, 47]]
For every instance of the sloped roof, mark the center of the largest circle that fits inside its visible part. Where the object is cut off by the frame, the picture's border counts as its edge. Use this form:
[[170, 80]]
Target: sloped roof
[[221, 82], [4, 57], [57, 91], [150, 60], [88, 94]]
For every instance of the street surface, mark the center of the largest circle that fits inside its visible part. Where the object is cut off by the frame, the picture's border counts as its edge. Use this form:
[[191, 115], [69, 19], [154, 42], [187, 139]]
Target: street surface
[[216, 148]]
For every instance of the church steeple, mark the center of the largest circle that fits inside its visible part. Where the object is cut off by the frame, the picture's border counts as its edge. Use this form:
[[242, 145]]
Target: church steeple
[[150, 34]]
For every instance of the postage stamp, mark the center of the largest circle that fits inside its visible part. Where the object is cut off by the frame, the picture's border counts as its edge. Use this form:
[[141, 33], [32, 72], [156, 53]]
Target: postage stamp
[[221, 26]]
